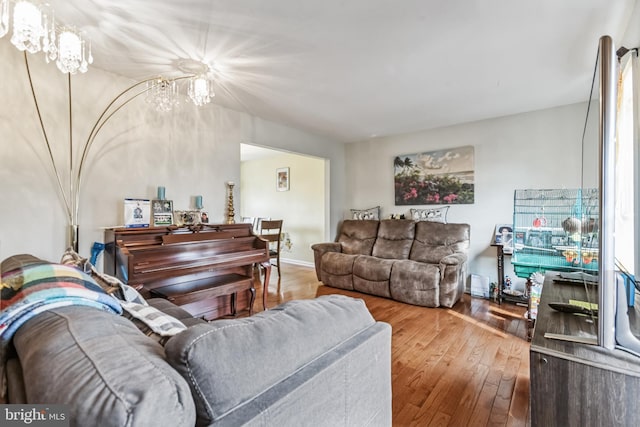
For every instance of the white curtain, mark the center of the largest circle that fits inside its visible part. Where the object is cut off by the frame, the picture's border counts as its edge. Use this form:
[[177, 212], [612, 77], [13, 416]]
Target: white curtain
[[635, 67], [627, 246]]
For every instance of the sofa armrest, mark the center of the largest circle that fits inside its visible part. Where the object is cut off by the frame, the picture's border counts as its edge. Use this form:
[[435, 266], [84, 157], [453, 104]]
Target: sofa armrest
[[454, 259], [348, 386], [103, 368], [320, 249], [453, 273]]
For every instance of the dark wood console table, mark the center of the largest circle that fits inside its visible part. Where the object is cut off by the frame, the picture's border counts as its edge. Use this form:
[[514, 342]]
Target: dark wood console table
[[205, 269], [502, 296], [574, 383]]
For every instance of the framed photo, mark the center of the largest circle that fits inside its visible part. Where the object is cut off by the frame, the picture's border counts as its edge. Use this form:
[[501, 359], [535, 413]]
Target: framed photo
[[187, 217], [162, 212], [282, 179], [137, 213], [503, 235]]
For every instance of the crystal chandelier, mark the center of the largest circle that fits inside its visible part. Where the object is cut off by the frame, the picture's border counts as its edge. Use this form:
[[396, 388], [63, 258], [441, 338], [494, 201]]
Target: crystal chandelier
[[34, 31], [199, 90], [162, 94]]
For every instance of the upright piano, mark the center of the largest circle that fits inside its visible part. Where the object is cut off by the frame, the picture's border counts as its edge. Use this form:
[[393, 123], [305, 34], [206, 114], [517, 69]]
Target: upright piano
[[207, 269]]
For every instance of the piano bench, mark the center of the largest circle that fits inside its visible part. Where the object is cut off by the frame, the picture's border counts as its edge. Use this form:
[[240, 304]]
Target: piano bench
[[198, 297]]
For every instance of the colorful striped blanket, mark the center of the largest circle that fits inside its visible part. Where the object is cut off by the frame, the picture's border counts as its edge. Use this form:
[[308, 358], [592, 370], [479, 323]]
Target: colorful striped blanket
[[35, 288]]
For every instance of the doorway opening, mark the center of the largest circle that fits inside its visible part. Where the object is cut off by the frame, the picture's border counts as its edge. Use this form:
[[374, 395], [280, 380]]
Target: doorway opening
[[302, 202]]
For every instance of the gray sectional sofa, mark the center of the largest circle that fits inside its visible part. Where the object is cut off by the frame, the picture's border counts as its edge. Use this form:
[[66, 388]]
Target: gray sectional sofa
[[320, 362], [416, 262]]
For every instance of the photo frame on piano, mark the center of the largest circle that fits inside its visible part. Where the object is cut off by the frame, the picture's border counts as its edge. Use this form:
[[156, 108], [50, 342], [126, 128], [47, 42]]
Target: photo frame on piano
[[187, 217], [162, 212], [137, 213]]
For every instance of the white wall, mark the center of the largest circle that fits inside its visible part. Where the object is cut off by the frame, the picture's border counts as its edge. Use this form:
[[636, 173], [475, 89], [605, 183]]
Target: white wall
[[540, 149], [190, 152], [302, 208]]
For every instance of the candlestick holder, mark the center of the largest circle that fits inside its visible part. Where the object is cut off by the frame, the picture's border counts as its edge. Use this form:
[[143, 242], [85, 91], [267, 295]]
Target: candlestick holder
[[230, 210]]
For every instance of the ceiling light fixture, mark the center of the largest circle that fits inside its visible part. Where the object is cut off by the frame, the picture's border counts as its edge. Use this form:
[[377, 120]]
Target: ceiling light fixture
[[34, 31]]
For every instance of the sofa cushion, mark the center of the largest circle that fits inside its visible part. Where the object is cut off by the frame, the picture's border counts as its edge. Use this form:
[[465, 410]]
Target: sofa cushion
[[175, 311], [415, 283], [228, 363], [358, 236], [395, 237], [371, 275], [434, 240], [108, 372], [429, 254]]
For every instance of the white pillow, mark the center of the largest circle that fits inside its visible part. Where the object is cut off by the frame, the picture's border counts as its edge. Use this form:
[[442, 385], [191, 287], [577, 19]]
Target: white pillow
[[371, 213], [434, 214]]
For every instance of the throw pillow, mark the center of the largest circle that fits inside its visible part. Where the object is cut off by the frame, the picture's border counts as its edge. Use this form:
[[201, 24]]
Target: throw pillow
[[434, 215], [152, 322], [371, 213]]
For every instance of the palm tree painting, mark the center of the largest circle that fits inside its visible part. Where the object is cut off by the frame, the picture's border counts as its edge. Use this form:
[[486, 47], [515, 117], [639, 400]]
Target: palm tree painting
[[435, 177]]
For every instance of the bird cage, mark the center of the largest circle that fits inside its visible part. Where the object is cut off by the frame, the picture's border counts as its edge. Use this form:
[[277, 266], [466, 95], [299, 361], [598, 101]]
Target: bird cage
[[555, 230]]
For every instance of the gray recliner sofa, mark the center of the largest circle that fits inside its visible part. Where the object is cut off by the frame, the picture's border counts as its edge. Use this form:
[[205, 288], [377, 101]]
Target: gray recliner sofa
[[320, 362], [417, 262]]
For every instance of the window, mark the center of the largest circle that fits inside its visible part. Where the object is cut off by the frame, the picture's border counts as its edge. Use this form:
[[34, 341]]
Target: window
[[626, 165]]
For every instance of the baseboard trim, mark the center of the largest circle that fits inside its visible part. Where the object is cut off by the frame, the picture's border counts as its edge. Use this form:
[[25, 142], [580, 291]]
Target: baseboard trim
[[297, 262]]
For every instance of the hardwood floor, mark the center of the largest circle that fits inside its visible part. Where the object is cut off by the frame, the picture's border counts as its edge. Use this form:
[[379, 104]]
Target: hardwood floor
[[465, 366]]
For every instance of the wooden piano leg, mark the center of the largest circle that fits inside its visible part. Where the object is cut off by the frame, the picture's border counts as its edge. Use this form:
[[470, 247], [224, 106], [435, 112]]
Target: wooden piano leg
[[253, 298], [265, 288], [233, 303]]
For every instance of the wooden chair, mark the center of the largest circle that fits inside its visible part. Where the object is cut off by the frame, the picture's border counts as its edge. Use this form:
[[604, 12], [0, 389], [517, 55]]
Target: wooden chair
[[271, 231], [257, 224]]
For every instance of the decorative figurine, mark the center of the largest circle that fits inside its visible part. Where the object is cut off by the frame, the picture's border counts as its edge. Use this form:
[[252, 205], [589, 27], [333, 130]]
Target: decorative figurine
[[230, 210]]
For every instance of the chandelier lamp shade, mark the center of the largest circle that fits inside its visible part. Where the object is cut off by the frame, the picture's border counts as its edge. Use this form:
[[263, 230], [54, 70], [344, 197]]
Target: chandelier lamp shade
[[199, 91], [34, 31], [27, 27], [71, 53], [162, 94]]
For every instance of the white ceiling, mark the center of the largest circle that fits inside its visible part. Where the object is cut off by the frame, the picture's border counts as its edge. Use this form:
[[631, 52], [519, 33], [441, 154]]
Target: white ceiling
[[355, 69]]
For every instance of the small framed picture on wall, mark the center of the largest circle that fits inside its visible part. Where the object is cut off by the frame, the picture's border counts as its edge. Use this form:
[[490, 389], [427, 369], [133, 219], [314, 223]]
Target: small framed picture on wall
[[282, 179]]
